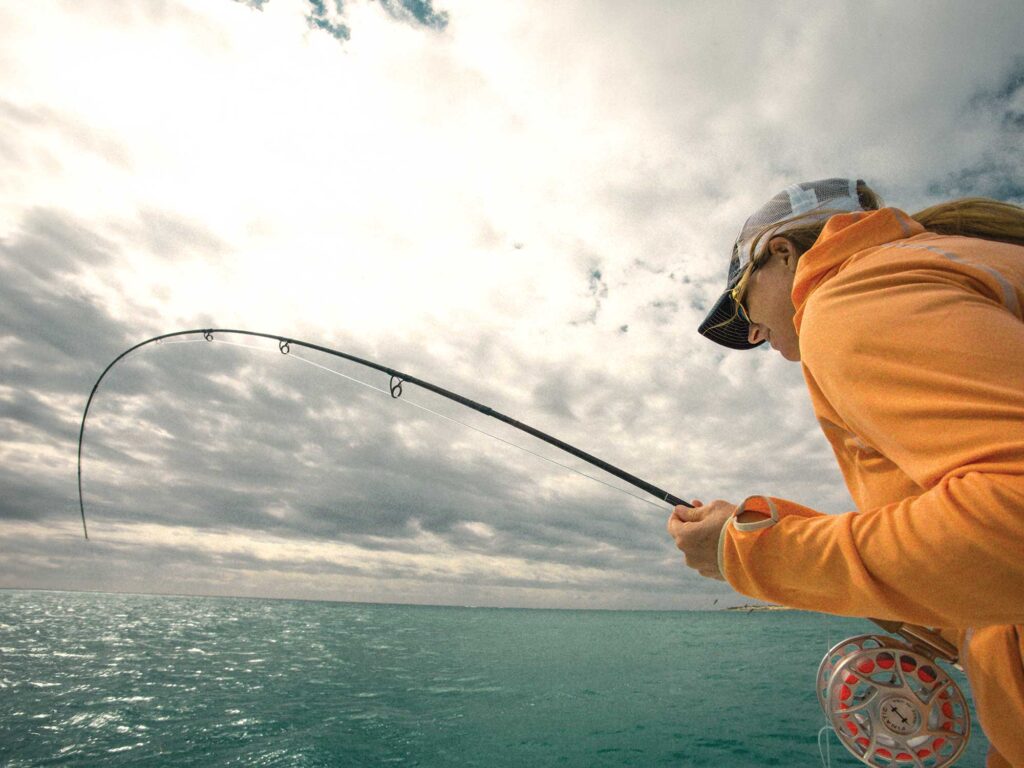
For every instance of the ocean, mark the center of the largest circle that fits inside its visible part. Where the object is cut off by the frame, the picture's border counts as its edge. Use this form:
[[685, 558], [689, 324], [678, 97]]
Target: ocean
[[123, 680]]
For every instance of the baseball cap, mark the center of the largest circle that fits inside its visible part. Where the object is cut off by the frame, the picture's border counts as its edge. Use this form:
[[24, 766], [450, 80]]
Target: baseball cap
[[808, 200]]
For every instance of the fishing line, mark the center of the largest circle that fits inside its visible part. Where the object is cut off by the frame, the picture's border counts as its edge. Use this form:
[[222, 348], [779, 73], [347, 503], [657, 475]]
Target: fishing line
[[522, 448], [396, 382], [826, 757], [412, 404], [826, 754]]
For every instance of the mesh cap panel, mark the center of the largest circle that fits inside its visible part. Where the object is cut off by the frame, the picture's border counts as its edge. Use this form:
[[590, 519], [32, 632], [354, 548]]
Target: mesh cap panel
[[828, 196]]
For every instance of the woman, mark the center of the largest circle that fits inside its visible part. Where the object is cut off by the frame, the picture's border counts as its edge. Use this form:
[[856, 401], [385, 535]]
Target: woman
[[910, 335]]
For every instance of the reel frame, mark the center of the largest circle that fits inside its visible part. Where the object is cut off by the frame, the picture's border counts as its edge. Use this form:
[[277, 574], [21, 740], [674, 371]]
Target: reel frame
[[891, 704]]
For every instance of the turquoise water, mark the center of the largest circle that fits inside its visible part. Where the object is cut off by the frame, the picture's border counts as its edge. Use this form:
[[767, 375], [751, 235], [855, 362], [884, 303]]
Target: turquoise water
[[90, 679]]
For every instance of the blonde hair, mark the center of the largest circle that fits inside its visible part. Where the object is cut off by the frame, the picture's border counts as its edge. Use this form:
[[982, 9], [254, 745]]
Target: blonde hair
[[980, 217]]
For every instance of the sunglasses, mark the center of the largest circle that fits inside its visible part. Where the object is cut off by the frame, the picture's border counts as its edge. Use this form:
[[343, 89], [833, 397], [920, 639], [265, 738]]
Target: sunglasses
[[741, 310]]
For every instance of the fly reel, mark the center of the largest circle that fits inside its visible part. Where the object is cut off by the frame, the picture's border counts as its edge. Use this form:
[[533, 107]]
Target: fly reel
[[891, 704]]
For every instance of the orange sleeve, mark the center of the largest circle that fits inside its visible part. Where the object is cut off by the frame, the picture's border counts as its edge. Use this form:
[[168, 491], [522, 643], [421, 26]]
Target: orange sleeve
[[925, 365]]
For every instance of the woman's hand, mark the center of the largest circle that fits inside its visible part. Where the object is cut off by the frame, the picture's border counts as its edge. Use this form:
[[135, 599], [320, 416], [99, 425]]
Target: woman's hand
[[696, 532]]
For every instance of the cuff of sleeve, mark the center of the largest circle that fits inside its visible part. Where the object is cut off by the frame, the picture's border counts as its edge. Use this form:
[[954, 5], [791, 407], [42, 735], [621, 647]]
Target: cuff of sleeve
[[759, 504], [758, 557]]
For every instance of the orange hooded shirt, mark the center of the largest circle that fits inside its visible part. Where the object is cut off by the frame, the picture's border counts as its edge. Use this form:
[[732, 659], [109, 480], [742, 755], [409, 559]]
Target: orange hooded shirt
[[912, 346]]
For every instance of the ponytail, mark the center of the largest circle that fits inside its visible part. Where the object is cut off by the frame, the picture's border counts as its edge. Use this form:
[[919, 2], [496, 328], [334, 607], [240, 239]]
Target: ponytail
[[979, 217]]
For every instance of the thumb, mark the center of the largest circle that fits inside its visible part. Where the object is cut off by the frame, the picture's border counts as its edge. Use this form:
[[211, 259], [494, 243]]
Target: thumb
[[687, 515]]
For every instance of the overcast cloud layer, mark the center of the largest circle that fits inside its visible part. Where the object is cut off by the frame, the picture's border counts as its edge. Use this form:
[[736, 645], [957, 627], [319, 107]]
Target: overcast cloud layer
[[528, 203]]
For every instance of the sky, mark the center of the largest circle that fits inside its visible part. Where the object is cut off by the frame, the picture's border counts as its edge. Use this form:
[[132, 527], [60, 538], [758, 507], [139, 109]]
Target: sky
[[530, 203]]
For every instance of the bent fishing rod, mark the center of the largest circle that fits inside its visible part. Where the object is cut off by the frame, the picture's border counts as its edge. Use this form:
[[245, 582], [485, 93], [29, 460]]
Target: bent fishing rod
[[921, 647], [917, 636], [397, 380]]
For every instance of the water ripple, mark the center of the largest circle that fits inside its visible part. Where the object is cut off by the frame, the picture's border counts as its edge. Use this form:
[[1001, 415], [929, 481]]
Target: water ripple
[[125, 680]]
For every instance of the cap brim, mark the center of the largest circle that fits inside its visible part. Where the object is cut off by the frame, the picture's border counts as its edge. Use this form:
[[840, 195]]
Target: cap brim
[[724, 325]]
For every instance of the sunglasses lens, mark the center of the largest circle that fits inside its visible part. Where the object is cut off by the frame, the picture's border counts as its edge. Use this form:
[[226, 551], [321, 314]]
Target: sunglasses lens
[[741, 310]]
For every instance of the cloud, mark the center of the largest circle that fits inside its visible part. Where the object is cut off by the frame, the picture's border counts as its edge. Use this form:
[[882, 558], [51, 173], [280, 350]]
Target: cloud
[[202, 436], [328, 15], [531, 205]]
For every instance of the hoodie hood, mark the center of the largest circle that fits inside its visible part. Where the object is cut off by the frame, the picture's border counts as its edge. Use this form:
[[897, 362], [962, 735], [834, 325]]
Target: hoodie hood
[[843, 236]]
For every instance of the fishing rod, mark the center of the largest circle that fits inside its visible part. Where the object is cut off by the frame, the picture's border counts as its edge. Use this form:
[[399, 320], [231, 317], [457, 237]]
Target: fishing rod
[[397, 380], [927, 714]]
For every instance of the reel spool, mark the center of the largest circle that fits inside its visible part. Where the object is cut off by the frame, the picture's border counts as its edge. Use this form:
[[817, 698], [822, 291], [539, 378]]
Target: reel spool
[[891, 705]]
